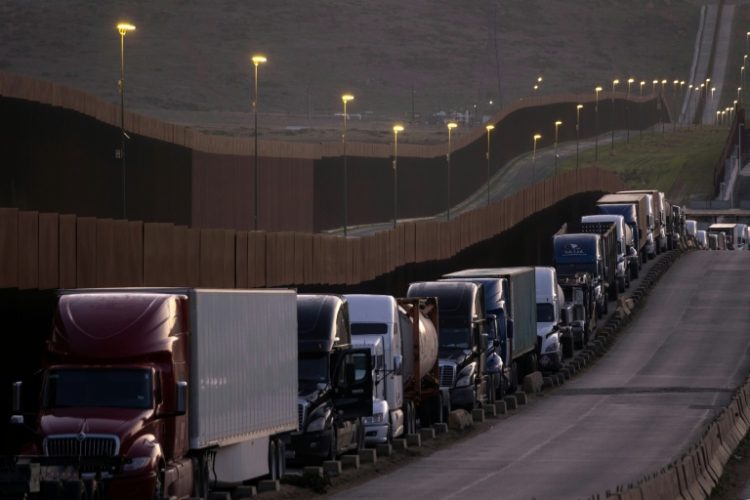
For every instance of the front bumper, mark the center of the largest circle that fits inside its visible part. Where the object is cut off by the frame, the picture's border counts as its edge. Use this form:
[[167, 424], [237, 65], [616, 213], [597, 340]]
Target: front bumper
[[376, 434], [550, 361], [462, 396], [307, 446]]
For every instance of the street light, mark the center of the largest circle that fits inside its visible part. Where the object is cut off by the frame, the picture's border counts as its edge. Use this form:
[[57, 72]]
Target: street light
[[739, 94], [663, 83], [489, 128], [640, 110], [674, 102], [718, 115], [578, 134], [533, 160], [257, 61], [615, 83], [451, 126], [345, 99], [123, 29], [596, 122], [627, 109], [557, 126], [396, 130]]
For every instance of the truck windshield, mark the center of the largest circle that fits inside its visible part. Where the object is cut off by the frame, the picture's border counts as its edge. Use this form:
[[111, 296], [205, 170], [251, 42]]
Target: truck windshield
[[454, 333], [545, 313], [98, 388], [313, 368]]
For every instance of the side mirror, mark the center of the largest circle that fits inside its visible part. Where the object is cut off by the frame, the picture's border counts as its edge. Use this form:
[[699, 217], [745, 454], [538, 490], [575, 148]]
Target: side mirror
[[181, 398], [16, 405], [398, 364], [483, 341], [351, 374]]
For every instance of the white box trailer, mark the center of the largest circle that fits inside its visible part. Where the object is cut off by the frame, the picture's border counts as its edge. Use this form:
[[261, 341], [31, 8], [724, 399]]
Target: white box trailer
[[243, 375]]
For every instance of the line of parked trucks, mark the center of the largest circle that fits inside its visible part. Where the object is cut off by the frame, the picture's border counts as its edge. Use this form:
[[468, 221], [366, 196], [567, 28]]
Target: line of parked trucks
[[164, 392], [718, 236]]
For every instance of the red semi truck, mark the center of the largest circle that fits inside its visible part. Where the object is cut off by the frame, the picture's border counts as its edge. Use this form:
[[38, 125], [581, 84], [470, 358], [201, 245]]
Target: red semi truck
[[159, 393]]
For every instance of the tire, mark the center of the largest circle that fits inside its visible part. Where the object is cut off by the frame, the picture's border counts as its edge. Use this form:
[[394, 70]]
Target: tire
[[612, 291], [281, 454], [621, 285], [74, 490], [513, 382], [273, 460], [491, 389], [360, 445], [333, 445]]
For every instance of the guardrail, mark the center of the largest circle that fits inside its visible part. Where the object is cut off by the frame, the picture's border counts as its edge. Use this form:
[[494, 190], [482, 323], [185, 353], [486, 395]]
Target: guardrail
[[50, 250]]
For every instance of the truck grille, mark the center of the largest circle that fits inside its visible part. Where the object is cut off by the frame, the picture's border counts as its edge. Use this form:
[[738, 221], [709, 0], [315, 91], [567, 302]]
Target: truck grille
[[447, 372], [301, 414], [72, 445]]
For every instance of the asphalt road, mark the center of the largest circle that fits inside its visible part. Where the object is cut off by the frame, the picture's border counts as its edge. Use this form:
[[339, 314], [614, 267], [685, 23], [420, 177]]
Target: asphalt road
[[636, 410]]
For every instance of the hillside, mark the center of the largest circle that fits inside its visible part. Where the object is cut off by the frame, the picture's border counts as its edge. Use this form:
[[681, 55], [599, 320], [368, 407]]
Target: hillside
[[189, 62]]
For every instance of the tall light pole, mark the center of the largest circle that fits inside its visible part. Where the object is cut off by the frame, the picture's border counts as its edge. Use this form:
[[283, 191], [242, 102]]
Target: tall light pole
[[640, 110], [661, 94], [451, 126], [489, 129], [615, 83], [627, 109], [257, 61], [396, 129], [653, 93], [674, 102], [739, 95], [579, 107], [123, 29], [557, 127], [345, 100], [596, 122], [537, 137]]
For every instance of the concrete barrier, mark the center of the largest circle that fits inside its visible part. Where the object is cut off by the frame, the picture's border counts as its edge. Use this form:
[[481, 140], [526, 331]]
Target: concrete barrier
[[350, 461], [532, 383], [459, 420], [265, 485], [332, 468], [510, 402], [384, 450], [367, 456], [414, 440]]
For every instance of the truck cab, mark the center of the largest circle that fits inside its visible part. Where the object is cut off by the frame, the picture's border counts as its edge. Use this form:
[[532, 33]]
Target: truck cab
[[376, 323], [627, 265], [581, 253], [335, 381], [498, 361], [549, 302], [462, 340], [579, 311], [407, 385]]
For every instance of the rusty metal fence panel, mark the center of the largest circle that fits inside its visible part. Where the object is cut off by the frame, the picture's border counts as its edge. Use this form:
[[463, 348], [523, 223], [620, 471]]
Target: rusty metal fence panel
[[51, 250]]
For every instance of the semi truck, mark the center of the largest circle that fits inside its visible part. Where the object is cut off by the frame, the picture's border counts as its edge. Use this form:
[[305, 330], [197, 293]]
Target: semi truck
[[462, 340], [627, 257], [611, 230], [335, 382], [161, 393], [407, 383], [659, 209], [735, 234], [580, 308], [576, 253], [519, 351], [550, 300], [639, 219]]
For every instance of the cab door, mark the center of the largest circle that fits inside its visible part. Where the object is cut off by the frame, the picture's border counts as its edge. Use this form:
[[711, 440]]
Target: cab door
[[352, 394]]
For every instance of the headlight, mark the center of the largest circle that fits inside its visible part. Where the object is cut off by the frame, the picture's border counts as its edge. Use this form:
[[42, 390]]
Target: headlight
[[465, 377], [376, 418], [552, 347], [137, 463], [317, 425]]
